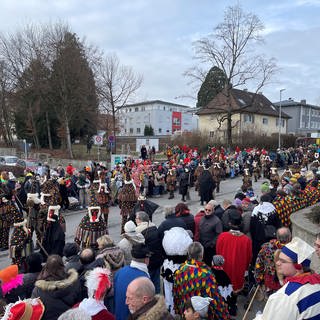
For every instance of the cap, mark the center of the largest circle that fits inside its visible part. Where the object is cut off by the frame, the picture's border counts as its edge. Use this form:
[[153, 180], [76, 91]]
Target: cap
[[140, 251], [298, 251], [200, 305]]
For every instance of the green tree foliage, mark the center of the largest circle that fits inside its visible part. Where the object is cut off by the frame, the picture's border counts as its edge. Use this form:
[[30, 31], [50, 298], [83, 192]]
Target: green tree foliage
[[73, 91], [214, 82], [148, 130]]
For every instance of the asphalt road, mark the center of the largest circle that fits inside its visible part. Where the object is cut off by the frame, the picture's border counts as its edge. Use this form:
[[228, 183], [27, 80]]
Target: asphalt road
[[228, 189]]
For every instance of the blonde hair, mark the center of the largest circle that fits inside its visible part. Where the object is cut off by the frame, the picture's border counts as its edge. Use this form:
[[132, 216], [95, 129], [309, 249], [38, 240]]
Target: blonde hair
[[104, 241]]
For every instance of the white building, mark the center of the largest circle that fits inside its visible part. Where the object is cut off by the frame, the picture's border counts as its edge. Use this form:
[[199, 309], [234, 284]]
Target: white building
[[164, 117]]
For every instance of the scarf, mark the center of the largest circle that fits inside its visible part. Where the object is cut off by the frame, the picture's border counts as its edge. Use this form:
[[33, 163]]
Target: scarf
[[140, 265]]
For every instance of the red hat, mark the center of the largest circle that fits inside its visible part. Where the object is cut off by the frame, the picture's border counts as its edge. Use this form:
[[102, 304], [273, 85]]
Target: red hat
[[28, 309]]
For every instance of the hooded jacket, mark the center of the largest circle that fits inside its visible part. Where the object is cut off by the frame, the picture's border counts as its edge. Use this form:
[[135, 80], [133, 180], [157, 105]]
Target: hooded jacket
[[58, 296]]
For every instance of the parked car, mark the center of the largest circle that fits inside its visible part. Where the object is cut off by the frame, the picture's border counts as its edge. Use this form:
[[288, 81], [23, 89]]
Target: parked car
[[8, 160], [28, 164]]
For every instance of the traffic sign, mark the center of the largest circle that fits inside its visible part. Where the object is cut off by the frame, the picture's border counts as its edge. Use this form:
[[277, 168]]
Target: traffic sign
[[98, 140], [111, 139]]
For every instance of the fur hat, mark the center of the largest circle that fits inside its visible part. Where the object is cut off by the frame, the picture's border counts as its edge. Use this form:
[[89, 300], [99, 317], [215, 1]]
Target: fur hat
[[298, 251]]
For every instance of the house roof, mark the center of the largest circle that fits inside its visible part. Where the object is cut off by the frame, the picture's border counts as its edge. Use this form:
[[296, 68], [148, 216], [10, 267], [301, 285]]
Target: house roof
[[242, 101]]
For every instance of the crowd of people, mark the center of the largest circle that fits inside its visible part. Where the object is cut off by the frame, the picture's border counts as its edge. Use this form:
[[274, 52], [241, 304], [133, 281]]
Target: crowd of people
[[193, 265]]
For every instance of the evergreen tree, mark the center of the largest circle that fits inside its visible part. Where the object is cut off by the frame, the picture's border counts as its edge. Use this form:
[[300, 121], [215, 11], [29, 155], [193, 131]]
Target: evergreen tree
[[214, 82], [75, 99]]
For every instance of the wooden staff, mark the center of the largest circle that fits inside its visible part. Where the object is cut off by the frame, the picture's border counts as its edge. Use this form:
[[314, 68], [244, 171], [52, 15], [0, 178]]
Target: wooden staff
[[251, 301]]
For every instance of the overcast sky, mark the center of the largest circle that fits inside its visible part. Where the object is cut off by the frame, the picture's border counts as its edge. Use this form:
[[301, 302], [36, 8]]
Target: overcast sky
[[155, 37]]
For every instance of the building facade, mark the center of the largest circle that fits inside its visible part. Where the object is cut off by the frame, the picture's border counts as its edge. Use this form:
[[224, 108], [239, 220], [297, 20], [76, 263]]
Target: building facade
[[251, 113], [305, 118], [165, 118]]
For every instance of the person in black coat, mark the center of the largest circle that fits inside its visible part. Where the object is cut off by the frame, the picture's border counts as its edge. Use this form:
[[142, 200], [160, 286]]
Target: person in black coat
[[171, 220], [184, 182], [206, 186], [24, 291], [72, 258], [153, 242], [58, 290], [54, 236], [182, 211]]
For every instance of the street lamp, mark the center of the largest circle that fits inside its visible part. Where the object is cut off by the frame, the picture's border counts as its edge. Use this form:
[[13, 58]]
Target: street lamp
[[280, 120]]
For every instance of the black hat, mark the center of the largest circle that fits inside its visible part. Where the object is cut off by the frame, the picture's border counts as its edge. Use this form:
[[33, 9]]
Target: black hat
[[234, 217], [70, 249], [140, 251]]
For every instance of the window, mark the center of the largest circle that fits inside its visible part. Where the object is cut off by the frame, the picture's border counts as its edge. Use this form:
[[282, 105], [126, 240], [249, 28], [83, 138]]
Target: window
[[265, 120], [138, 130], [125, 130], [282, 122], [136, 109], [160, 130], [164, 108], [211, 134], [131, 130], [143, 108], [130, 110], [248, 118]]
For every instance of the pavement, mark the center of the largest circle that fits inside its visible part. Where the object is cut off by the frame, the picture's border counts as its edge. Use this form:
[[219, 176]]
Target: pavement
[[228, 189]]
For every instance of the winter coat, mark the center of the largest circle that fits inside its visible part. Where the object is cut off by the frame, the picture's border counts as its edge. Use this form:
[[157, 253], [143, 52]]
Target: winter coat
[[153, 310], [210, 228], [184, 183], [73, 262], [189, 221], [170, 222], [24, 290], [130, 239], [153, 241], [57, 296]]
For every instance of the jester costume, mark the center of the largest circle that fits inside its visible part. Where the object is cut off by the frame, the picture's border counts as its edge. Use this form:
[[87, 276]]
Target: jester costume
[[92, 226], [127, 200], [21, 244], [194, 278]]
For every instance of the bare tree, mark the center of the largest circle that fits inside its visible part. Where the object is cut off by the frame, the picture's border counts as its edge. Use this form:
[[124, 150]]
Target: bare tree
[[231, 48], [117, 85]]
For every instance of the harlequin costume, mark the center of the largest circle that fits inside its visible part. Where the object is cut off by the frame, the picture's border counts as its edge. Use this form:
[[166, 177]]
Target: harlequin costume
[[265, 269], [21, 244], [127, 200], [194, 278], [92, 226]]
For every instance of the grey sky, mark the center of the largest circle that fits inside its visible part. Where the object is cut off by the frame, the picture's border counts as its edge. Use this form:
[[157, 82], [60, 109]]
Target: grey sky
[[155, 37]]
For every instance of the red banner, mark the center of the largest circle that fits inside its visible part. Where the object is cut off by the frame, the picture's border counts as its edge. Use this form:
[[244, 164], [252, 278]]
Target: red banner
[[176, 121]]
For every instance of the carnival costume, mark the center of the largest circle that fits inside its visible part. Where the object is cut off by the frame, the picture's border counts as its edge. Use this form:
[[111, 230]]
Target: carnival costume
[[92, 226]]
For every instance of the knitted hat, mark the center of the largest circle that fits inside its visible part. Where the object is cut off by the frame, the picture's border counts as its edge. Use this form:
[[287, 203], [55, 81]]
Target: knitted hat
[[201, 305], [129, 227], [218, 260], [298, 251], [265, 187], [28, 309]]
